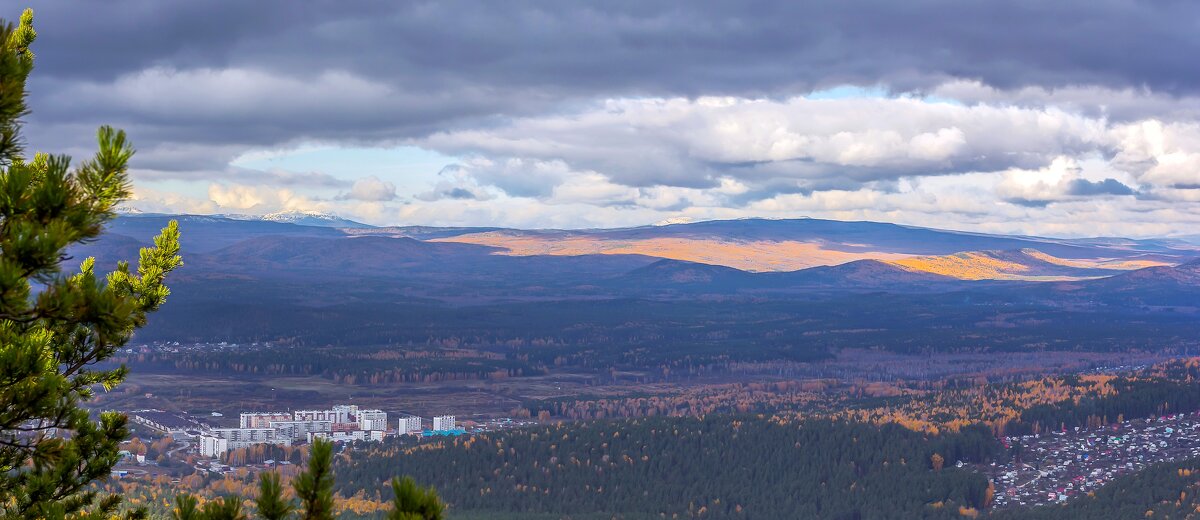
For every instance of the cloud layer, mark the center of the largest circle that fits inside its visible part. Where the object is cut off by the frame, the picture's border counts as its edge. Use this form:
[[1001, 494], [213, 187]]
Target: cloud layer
[[1075, 117]]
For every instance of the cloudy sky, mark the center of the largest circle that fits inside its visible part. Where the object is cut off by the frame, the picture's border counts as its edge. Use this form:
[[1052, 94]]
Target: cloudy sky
[[1065, 118]]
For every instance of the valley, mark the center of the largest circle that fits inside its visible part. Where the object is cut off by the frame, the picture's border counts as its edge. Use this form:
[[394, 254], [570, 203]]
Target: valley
[[544, 260], [914, 334]]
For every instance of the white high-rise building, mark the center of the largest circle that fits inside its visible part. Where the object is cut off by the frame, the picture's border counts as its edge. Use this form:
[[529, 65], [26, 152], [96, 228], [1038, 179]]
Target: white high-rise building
[[314, 415], [340, 414], [245, 434], [409, 425], [443, 423], [262, 419], [350, 436], [211, 446], [372, 420], [346, 413], [299, 430], [221, 440]]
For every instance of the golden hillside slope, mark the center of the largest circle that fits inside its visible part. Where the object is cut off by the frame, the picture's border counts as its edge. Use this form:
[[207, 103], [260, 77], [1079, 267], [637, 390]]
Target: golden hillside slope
[[1026, 264], [757, 256], [788, 255], [967, 266]]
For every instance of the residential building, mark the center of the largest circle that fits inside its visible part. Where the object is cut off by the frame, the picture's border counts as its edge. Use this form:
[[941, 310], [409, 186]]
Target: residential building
[[262, 419], [443, 423], [340, 414], [211, 446], [346, 413], [409, 425], [315, 415], [358, 435], [372, 420], [245, 434], [239, 438], [299, 430]]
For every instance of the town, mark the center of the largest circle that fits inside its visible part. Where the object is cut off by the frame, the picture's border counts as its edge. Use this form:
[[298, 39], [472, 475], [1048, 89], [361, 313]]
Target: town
[[339, 424], [1054, 467]]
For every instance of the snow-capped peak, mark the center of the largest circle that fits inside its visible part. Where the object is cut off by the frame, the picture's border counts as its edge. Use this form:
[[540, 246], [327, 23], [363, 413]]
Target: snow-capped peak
[[292, 216], [123, 209], [312, 218], [675, 220]]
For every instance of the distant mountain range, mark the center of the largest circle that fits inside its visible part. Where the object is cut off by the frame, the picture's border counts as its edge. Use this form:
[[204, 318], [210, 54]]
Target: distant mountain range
[[788, 245], [288, 277], [751, 245], [303, 218]]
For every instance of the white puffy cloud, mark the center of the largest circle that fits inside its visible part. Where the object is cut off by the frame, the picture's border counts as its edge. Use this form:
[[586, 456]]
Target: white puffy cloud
[[371, 189], [156, 201], [1160, 154], [260, 199], [1064, 178], [805, 143], [1028, 165]]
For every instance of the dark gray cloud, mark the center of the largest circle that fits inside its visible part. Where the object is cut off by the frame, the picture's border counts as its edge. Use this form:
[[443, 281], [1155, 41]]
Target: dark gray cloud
[[385, 70], [597, 107], [635, 46]]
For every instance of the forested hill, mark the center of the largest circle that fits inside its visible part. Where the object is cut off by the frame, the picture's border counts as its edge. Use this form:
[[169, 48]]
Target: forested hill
[[623, 296], [717, 467]]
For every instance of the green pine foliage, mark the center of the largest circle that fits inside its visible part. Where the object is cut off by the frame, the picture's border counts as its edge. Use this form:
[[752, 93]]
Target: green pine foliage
[[729, 467], [55, 326], [271, 504], [414, 503], [187, 507], [315, 490], [228, 508], [314, 487]]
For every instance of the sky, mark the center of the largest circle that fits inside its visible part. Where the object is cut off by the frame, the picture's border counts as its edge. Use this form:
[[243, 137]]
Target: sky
[[1065, 118]]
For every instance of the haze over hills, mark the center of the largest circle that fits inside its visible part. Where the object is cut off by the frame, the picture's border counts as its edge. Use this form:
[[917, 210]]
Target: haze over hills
[[893, 287], [286, 268], [788, 245], [279, 243]]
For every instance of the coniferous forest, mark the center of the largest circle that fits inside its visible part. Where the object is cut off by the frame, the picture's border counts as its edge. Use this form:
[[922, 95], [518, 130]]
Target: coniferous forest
[[720, 467]]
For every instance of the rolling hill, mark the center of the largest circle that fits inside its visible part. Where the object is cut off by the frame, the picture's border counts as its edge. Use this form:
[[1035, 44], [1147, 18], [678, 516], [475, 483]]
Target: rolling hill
[[930, 290], [749, 258], [1023, 264], [862, 274], [787, 245]]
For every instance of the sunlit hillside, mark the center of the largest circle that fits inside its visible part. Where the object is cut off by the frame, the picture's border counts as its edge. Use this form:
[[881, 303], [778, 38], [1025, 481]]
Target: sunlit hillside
[[755, 255], [763, 255], [1025, 264]]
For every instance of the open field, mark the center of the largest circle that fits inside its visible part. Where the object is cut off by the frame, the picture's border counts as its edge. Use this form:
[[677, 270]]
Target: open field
[[203, 392]]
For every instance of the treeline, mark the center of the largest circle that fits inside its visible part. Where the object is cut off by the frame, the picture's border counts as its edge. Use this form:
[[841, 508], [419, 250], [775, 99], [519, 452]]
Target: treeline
[[1169, 490], [715, 467], [1133, 398], [1047, 403], [680, 335], [691, 401], [342, 365]]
